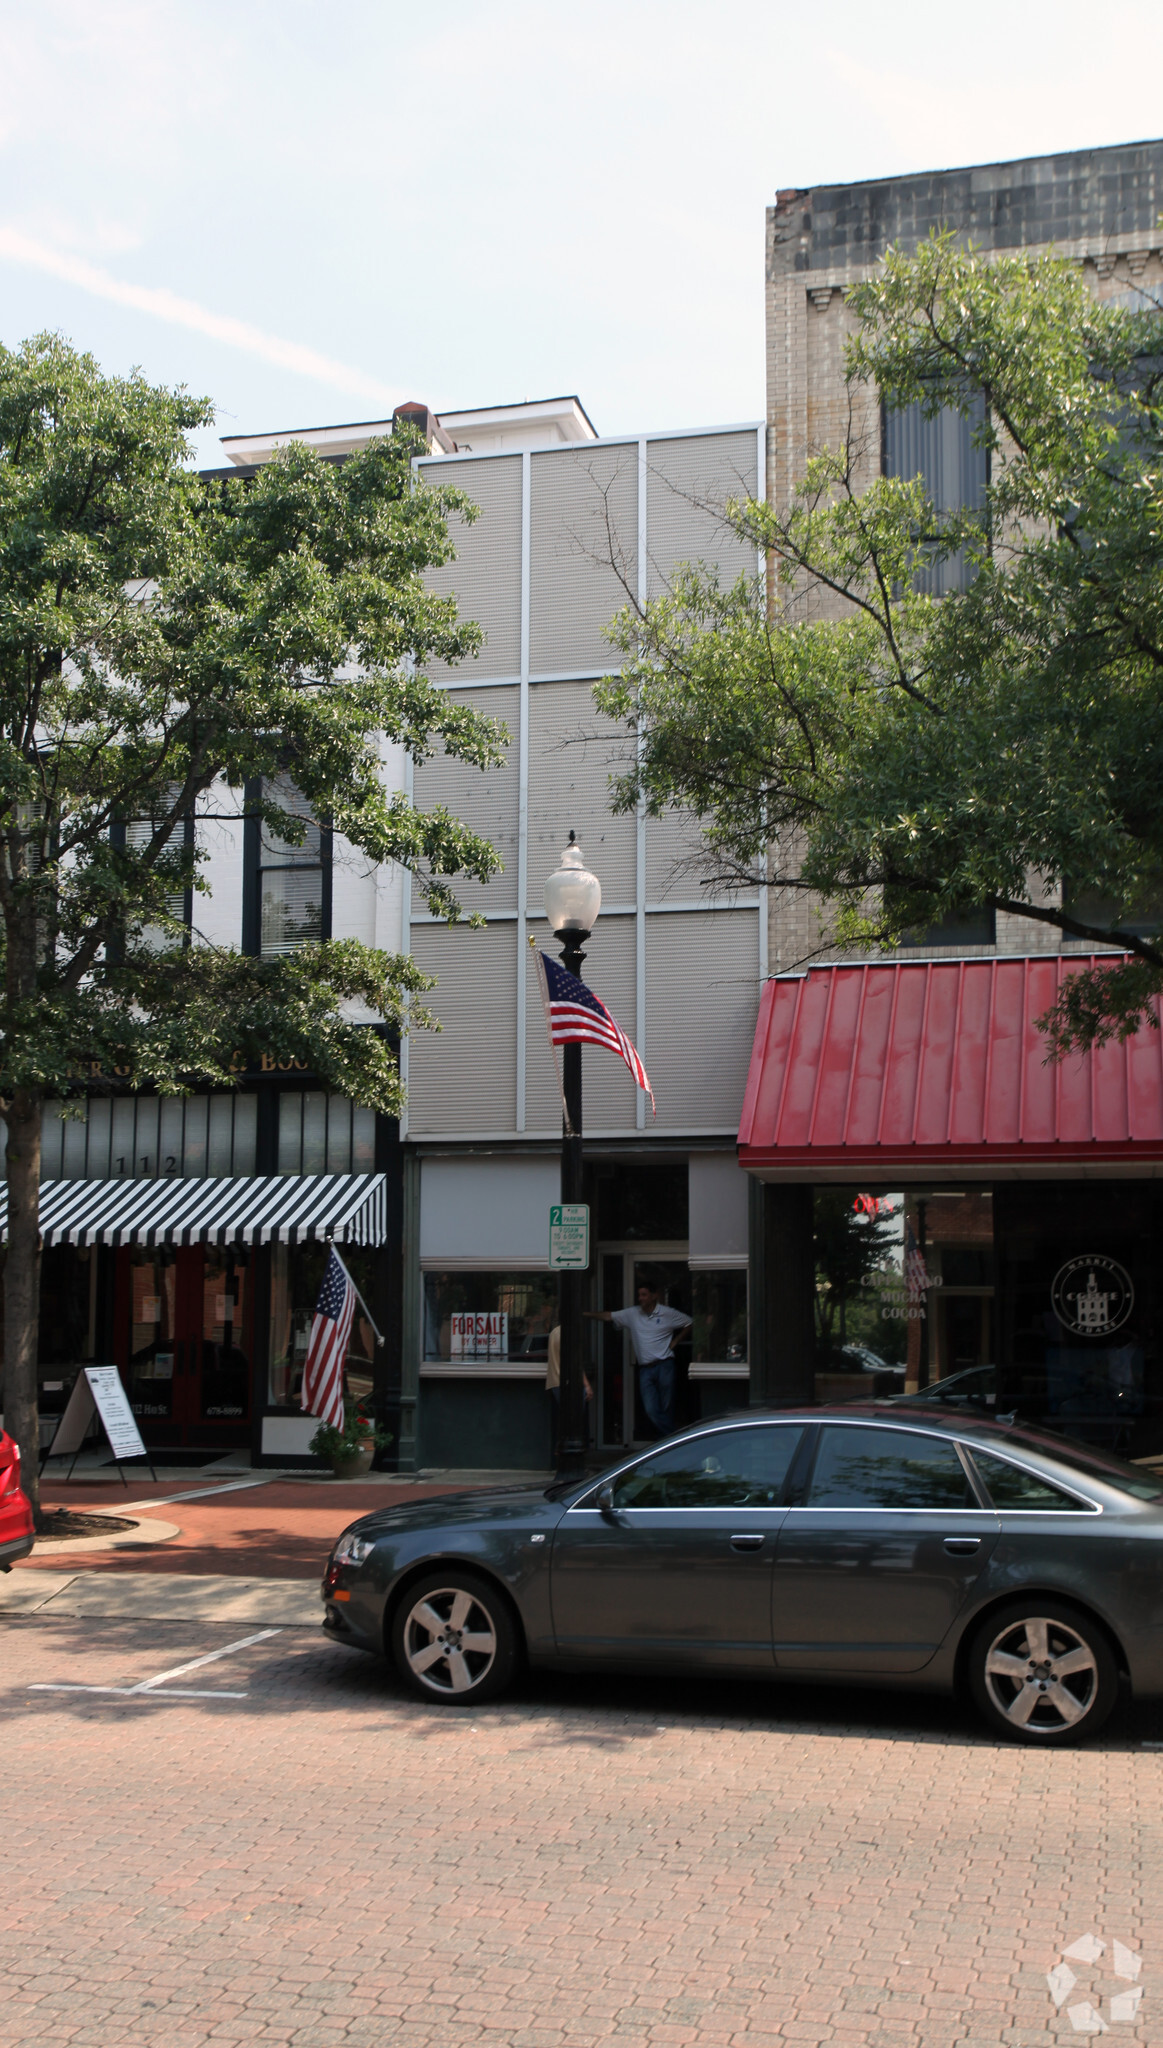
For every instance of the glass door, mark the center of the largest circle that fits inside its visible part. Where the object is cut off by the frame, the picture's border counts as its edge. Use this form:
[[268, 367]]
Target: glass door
[[184, 1321], [624, 1416]]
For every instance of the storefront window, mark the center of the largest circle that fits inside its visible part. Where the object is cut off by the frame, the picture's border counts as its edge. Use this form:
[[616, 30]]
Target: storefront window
[[478, 1318], [719, 1313], [296, 1278]]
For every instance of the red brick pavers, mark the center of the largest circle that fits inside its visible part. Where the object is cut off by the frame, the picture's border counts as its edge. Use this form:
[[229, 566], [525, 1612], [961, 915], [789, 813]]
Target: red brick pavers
[[283, 1530], [591, 1863]]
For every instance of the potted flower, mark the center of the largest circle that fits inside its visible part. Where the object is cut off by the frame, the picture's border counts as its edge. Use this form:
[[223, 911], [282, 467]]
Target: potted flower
[[349, 1451]]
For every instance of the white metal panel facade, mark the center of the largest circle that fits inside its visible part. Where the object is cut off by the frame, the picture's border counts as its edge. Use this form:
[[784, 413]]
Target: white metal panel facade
[[485, 578], [572, 753], [718, 1211], [487, 801], [688, 482], [463, 1078], [583, 540], [683, 981], [477, 1213], [702, 989]]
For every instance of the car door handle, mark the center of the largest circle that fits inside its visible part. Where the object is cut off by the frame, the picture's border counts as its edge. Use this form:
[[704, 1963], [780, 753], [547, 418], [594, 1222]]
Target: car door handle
[[751, 1541], [962, 1546]]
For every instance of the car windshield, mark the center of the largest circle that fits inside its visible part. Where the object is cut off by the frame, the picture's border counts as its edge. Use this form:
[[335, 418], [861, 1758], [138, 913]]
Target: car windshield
[[1091, 1464]]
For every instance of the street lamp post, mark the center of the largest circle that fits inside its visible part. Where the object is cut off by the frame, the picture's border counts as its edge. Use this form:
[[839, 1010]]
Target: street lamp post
[[573, 898]]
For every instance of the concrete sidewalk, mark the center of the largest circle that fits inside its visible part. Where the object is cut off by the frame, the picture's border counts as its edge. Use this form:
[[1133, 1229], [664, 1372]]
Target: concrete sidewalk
[[154, 1596]]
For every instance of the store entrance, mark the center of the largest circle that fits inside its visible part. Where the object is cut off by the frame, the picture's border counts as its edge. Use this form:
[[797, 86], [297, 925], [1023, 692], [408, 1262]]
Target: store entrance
[[184, 1341], [622, 1418]]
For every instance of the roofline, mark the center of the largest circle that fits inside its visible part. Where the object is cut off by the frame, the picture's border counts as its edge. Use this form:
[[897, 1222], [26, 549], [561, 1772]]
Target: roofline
[[385, 419], [981, 959], [957, 170], [561, 398]]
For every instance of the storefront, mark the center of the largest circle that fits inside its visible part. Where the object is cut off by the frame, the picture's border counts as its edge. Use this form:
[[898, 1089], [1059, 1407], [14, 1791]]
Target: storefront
[[1019, 1202], [200, 1282], [487, 1300]]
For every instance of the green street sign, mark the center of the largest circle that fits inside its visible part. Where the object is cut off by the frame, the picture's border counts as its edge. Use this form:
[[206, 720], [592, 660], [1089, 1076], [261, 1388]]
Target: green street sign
[[569, 1235]]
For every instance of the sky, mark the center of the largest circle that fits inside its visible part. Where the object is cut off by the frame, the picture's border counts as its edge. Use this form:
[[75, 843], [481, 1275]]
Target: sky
[[308, 212]]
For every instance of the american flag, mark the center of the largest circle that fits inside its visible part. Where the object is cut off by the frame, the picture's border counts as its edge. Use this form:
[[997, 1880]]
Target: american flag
[[575, 1014], [916, 1275], [327, 1348]]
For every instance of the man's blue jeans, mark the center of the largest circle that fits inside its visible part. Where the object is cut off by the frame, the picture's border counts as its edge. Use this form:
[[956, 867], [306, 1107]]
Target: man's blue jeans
[[656, 1386]]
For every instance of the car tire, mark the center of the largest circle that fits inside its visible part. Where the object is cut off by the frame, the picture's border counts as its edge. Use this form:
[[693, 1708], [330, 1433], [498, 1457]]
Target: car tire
[[455, 1642], [1042, 1672]]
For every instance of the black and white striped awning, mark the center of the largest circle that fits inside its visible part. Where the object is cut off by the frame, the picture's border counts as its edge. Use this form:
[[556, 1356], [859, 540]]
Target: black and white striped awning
[[346, 1208]]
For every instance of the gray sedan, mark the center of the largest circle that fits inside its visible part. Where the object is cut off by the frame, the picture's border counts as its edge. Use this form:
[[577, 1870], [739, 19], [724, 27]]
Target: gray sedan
[[849, 1545]]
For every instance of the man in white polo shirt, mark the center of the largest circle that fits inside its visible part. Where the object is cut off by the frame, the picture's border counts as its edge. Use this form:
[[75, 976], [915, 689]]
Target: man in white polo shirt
[[654, 1332]]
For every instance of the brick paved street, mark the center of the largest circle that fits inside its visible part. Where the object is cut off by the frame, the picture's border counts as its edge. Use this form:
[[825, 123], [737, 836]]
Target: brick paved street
[[323, 1862]]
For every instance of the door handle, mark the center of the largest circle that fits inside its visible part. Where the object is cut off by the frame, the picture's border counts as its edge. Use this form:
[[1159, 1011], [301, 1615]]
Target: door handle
[[962, 1546], [749, 1542]]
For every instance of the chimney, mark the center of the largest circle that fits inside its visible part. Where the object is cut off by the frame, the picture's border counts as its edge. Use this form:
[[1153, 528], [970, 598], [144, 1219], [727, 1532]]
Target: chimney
[[415, 414]]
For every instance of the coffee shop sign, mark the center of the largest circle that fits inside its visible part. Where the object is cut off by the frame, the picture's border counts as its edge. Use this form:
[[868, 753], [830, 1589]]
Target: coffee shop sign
[[903, 1299]]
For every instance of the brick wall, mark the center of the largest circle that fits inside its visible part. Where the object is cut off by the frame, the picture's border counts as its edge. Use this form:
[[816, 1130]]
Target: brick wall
[[1101, 207]]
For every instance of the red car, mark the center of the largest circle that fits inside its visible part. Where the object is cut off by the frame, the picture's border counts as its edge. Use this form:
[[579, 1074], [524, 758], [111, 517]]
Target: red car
[[15, 1512]]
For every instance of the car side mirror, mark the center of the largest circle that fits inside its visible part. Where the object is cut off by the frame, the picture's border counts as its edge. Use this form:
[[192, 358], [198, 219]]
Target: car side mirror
[[605, 1499]]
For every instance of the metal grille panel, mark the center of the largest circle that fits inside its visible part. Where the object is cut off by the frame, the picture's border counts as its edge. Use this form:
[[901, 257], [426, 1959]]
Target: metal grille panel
[[687, 483], [572, 753], [702, 997], [485, 802], [584, 509], [485, 578], [464, 1078]]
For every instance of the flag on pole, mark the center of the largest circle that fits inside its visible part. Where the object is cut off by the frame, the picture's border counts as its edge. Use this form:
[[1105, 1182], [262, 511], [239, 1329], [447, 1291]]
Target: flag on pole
[[916, 1274], [327, 1347], [576, 1015]]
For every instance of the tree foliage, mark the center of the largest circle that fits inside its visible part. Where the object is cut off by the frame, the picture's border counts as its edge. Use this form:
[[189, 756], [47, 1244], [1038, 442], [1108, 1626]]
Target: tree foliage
[[172, 645], [905, 756]]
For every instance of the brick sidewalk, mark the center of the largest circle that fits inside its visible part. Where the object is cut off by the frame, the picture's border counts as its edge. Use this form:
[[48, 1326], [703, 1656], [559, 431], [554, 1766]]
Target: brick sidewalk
[[280, 1531], [600, 1865]]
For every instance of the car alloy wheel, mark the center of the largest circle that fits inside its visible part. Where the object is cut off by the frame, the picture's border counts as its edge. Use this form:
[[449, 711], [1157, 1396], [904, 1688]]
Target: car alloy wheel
[[454, 1639], [1043, 1673]]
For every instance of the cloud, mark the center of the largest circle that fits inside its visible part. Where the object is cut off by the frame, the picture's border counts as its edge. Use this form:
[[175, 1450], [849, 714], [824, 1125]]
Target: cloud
[[166, 305]]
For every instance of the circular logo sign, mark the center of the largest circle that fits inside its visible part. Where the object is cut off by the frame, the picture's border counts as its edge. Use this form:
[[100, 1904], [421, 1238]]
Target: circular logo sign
[[1092, 1296]]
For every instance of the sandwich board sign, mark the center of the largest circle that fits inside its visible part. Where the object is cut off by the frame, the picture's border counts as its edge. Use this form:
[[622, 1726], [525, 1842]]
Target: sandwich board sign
[[569, 1236], [98, 1391]]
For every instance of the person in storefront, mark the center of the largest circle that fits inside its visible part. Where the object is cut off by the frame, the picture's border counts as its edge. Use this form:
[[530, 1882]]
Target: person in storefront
[[654, 1330]]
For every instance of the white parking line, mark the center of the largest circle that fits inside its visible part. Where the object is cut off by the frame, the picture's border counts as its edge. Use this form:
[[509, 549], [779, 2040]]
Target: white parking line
[[146, 1689]]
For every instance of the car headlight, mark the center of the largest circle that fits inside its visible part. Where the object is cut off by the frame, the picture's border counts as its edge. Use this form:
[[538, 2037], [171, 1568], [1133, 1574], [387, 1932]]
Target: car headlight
[[352, 1549]]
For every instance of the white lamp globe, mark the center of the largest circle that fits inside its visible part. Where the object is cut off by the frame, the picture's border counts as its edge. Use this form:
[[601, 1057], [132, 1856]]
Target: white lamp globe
[[573, 897]]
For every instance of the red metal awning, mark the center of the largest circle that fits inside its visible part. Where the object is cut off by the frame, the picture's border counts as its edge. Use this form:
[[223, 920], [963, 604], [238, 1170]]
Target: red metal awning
[[930, 1069]]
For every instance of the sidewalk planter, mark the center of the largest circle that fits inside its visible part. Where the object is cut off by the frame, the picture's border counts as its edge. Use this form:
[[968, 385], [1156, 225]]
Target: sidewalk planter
[[349, 1451], [353, 1464]]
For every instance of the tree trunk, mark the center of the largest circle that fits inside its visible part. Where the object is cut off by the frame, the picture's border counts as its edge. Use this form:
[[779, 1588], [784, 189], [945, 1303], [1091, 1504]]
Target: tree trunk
[[22, 1288]]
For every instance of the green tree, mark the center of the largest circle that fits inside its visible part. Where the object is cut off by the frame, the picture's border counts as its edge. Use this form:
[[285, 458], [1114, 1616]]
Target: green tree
[[904, 756], [168, 643]]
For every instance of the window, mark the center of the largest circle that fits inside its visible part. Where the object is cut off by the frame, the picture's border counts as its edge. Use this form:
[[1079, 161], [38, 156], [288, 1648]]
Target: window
[[955, 473], [1089, 906], [481, 1318], [296, 1278], [321, 1133], [718, 1303], [887, 1468], [289, 881], [1012, 1487], [967, 927], [179, 902], [727, 1468]]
